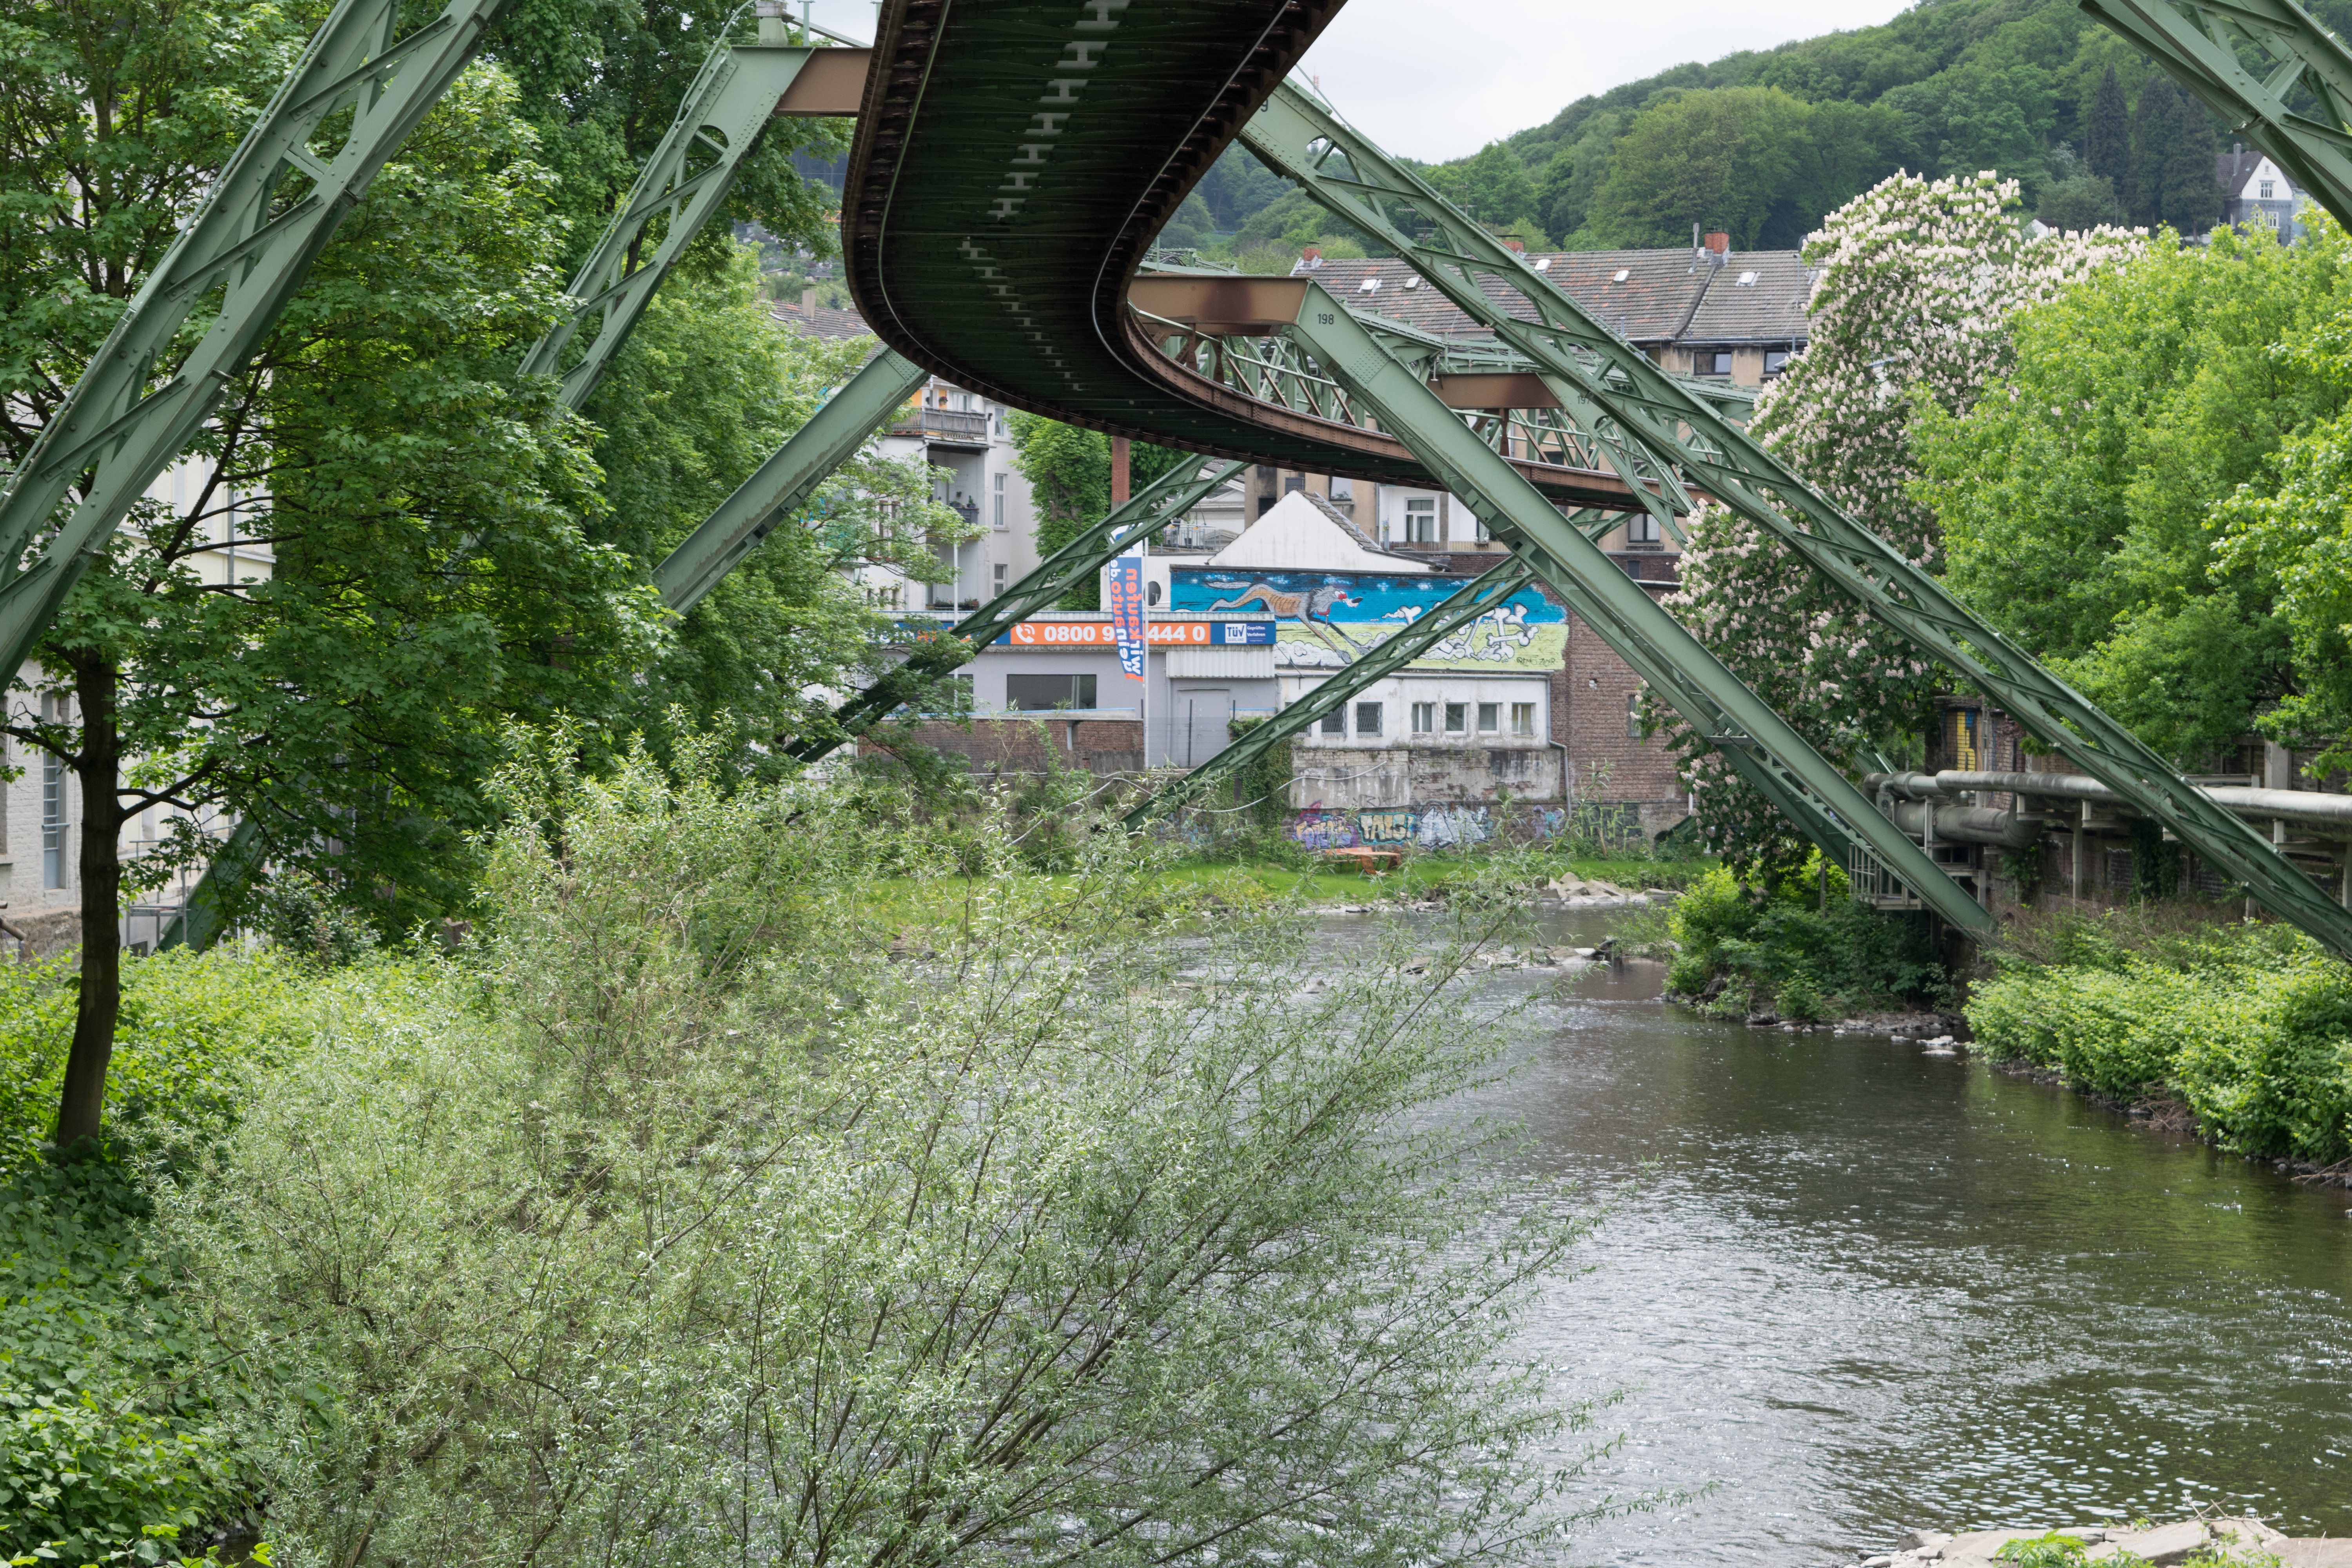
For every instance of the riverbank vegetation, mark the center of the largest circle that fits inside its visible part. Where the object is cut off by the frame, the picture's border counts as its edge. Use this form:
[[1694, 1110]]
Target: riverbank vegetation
[[683, 1203], [1795, 946], [2242, 1029]]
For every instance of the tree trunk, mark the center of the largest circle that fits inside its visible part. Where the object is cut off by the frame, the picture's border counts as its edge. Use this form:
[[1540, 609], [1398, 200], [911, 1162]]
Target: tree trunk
[[82, 1102]]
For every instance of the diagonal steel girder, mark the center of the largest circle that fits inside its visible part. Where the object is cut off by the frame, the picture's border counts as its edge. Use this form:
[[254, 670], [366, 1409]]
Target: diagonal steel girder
[[782, 485], [265, 218], [1618, 609], [739, 90], [1586, 362], [1153, 507], [2198, 42]]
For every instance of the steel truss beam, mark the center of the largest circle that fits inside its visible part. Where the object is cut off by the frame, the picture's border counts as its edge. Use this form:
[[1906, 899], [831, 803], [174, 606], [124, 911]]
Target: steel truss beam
[[716, 128], [2205, 44], [1495, 391], [1458, 609], [1151, 509], [1618, 609], [1590, 366], [784, 484], [274, 207]]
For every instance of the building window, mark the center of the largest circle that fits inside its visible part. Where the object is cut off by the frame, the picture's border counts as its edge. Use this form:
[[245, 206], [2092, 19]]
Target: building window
[[1343, 488], [1774, 362], [1265, 504], [999, 519], [1294, 483], [1490, 718], [1424, 717], [1367, 718], [1523, 717], [1633, 715], [1483, 534], [1335, 722], [1420, 521], [1042, 693], [2266, 191], [53, 809], [1457, 717], [1642, 530], [997, 576]]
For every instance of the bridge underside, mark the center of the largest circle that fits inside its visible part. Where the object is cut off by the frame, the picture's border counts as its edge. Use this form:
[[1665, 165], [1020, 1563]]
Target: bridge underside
[[1007, 182]]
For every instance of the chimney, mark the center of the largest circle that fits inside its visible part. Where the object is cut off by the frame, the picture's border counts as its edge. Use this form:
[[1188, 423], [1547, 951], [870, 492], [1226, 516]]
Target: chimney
[[808, 304], [1718, 242], [1517, 245], [1314, 256], [1695, 245]]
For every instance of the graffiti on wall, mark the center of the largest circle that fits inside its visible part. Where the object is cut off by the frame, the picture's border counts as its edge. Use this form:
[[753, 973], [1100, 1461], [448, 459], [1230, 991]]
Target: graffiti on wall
[[1330, 619], [1429, 827]]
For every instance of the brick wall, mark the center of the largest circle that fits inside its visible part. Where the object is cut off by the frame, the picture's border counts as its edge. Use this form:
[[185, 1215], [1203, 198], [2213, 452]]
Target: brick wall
[[1588, 709]]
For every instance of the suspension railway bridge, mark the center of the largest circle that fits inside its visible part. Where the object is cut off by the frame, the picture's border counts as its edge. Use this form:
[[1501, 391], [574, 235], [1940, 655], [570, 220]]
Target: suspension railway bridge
[[1012, 162]]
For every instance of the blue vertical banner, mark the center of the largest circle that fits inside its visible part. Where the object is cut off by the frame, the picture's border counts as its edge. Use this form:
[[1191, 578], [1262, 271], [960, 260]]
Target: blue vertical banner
[[1125, 581]]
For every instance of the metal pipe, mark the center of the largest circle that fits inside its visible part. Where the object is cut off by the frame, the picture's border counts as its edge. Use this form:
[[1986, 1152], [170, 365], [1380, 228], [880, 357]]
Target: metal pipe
[[2265, 804], [1968, 824]]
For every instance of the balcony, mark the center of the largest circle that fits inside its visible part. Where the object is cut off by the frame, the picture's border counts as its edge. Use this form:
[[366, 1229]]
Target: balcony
[[944, 428]]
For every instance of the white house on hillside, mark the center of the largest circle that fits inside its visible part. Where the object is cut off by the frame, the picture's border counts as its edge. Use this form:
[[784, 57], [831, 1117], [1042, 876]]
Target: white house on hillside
[[2256, 192]]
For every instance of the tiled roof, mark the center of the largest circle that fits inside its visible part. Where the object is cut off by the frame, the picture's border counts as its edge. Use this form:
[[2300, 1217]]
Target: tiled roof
[[1756, 296], [829, 323], [1661, 294], [2232, 170]]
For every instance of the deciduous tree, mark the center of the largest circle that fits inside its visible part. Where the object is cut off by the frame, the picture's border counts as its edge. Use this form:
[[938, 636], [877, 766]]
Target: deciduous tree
[[2077, 498], [1917, 282], [1069, 470]]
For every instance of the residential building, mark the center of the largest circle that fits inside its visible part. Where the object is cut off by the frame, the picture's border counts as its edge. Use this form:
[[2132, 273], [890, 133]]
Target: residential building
[[968, 441], [41, 810], [2257, 193], [1710, 311]]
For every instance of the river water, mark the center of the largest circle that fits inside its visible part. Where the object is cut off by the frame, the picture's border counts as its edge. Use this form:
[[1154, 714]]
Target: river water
[[1860, 1289]]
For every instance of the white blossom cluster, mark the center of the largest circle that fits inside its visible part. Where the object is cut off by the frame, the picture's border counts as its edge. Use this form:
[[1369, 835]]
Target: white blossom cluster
[[1915, 283]]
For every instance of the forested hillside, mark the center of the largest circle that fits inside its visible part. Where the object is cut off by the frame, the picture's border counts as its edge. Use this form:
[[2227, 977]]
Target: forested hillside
[[1764, 143]]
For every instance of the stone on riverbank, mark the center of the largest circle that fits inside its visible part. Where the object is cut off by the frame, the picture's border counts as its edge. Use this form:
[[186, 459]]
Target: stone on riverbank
[[2163, 1545]]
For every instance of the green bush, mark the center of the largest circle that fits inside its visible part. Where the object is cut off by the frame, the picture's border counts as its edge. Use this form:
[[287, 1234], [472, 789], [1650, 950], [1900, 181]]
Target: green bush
[[2251, 1027], [678, 1215], [1810, 954], [111, 1443], [191, 1032]]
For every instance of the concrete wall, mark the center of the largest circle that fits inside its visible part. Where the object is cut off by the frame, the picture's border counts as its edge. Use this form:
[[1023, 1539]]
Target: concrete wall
[[1351, 780]]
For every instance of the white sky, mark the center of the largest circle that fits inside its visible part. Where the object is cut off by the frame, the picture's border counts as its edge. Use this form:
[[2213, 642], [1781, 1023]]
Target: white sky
[[1440, 78], [1439, 81]]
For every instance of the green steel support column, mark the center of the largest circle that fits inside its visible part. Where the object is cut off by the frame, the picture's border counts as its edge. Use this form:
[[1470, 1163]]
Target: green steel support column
[[268, 216], [201, 921], [1457, 610], [2196, 41], [1150, 508], [716, 128], [785, 481], [1618, 608], [1586, 362]]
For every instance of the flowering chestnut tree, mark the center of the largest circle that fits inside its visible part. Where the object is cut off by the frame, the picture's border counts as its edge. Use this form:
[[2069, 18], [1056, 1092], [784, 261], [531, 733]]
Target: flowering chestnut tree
[[1914, 282]]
